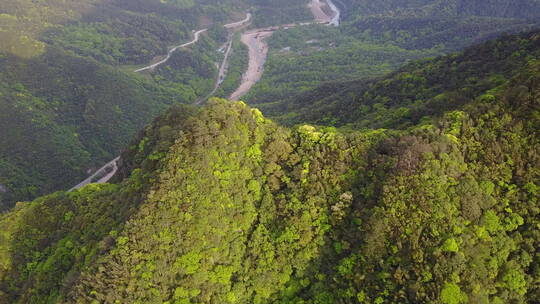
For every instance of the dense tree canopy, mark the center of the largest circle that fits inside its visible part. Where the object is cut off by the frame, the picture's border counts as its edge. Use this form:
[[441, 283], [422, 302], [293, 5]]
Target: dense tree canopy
[[420, 186], [220, 204], [377, 37]]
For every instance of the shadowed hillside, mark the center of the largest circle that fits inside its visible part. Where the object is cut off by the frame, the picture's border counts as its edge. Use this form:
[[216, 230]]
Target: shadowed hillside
[[221, 205]]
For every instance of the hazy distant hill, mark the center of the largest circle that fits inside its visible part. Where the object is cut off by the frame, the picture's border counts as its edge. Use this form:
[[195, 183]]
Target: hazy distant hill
[[449, 8]]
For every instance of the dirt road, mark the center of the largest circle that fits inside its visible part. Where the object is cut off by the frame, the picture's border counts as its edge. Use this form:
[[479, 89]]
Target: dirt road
[[258, 51], [258, 48], [224, 66], [316, 7]]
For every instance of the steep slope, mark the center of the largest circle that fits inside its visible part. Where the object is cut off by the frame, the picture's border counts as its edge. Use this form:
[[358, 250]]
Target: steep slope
[[424, 88], [221, 205], [446, 214], [69, 99], [377, 37]]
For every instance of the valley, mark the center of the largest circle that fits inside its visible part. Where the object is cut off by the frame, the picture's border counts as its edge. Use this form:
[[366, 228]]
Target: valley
[[227, 48], [106, 172], [258, 51], [269, 151], [71, 99], [258, 48]]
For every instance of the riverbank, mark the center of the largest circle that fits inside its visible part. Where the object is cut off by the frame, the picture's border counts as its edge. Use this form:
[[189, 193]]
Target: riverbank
[[258, 51], [255, 40], [171, 51]]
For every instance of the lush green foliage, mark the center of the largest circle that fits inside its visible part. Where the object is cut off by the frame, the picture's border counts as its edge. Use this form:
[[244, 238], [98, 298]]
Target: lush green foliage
[[68, 94], [440, 216], [219, 204], [377, 37], [419, 90]]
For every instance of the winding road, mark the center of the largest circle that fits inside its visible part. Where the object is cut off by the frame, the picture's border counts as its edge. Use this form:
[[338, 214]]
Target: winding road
[[258, 48], [197, 34], [258, 52], [239, 23], [106, 172], [223, 68]]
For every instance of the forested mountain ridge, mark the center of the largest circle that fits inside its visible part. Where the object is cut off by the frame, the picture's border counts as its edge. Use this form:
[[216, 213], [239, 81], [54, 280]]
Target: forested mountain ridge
[[221, 205], [420, 89], [378, 37], [454, 24], [69, 96], [450, 8], [69, 91], [69, 99]]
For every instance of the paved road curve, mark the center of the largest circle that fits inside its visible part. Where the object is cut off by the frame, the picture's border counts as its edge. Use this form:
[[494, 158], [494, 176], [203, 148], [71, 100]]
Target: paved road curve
[[103, 174], [239, 23], [171, 51], [106, 172]]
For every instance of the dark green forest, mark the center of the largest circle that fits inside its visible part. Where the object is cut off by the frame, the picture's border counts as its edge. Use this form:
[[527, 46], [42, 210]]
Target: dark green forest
[[68, 94], [392, 159], [378, 37], [221, 205]]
